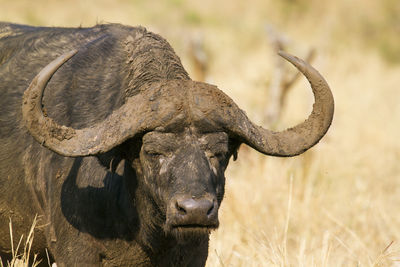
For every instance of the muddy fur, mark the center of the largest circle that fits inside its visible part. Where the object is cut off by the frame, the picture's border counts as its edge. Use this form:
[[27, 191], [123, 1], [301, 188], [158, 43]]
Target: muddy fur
[[123, 158], [92, 210]]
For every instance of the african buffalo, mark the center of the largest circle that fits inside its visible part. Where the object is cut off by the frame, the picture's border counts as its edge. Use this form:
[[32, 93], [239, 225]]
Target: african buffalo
[[121, 155]]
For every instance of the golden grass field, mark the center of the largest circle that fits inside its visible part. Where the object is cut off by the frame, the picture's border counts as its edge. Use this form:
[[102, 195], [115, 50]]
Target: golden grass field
[[339, 203]]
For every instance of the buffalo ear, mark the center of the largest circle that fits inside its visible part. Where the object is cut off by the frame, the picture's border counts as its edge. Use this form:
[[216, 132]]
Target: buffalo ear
[[111, 159], [235, 151], [235, 155]]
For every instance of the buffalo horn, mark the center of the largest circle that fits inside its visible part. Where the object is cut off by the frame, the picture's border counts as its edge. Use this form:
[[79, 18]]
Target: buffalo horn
[[296, 140], [135, 116]]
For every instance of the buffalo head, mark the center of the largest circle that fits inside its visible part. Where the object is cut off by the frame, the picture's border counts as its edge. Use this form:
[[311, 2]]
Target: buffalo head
[[181, 134]]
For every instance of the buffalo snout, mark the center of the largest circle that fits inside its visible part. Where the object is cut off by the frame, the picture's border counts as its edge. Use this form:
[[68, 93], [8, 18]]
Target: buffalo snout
[[192, 212]]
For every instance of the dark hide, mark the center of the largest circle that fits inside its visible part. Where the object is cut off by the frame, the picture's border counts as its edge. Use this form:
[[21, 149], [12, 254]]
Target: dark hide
[[115, 209]]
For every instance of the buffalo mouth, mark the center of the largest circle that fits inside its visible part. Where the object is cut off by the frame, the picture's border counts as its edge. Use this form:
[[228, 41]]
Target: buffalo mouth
[[194, 227], [171, 226], [190, 232]]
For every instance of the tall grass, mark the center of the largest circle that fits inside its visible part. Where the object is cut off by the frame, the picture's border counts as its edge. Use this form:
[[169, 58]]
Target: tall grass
[[336, 205], [22, 257]]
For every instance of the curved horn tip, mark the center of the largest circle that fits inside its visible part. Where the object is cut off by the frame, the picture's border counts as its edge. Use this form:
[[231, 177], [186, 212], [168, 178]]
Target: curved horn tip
[[49, 70], [63, 58], [287, 56], [292, 59], [71, 53]]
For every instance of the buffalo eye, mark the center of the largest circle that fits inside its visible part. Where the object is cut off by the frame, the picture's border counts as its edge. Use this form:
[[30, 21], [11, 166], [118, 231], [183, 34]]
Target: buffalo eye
[[215, 158], [215, 155], [153, 151]]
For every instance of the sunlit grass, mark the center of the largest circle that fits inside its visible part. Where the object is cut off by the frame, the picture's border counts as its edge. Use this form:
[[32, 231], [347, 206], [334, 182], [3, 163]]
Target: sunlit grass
[[22, 256], [336, 205]]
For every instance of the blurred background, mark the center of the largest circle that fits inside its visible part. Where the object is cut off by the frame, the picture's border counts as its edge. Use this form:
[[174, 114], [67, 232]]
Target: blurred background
[[339, 203]]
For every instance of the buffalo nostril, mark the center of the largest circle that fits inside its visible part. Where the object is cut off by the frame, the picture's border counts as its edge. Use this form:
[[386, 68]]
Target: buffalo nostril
[[189, 211], [210, 210], [194, 207], [181, 210]]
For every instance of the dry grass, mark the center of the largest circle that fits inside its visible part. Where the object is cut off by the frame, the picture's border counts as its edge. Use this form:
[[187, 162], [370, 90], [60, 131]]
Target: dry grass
[[22, 257], [336, 205]]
